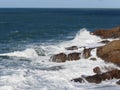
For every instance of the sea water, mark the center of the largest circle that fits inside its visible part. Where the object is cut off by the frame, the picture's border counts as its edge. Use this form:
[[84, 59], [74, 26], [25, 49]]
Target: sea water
[[29, 37]]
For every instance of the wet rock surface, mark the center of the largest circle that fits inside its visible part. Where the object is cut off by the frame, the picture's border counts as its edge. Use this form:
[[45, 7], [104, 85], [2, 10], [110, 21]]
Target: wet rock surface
[[111, 33], [73, 56], [97, 70], [110, 52], [98, 78], [118, 82], [93, 59], [105, 41], [62, 57], [72, 48], [87, 53]]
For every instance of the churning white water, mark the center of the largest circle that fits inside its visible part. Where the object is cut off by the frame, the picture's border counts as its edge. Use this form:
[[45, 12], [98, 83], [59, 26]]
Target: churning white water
[[34, 71]]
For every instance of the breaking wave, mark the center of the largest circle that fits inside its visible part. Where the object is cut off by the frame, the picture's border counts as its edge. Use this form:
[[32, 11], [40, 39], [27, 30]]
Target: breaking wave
[[40, 74]]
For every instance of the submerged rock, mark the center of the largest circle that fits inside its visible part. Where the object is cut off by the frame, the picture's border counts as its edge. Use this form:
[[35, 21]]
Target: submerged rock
[[72, 48], [112, 33], [94, 59], [62, 57], [98, 78], [110, 52], [105, 41], [118, 82]]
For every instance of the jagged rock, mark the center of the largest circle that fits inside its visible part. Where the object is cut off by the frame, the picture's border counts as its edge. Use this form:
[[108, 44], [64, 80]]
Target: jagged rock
[[110, 52], [118, 82], [72, 48], [62, 57], [94, 59], [78, 80], [98, 78], [87, 53], [112, 33], [59, 57], [97, 70], [74, 56], [105, 41]]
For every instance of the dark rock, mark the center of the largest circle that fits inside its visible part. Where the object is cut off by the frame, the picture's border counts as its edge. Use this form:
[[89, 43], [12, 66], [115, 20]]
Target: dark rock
[[72, 48], [87, 53], [94, 59], [110, 52], [74, 56], [54, 68], [78, 80], [59, 57], [97, 70], [118, 82], [105, 41], [98, 78], [63, 57], [112, 33]]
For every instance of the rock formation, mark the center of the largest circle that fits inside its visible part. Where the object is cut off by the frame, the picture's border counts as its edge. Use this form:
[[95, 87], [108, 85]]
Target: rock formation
[[73, 56], [98, 78], [62, 57], [110, 52], [97, 70], [112, 33], [87, 53]]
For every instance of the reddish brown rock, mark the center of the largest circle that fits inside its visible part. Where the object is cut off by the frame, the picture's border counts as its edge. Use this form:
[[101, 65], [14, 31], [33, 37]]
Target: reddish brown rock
[[98, 78], [62, 57], [72, 48], [87, 53], [111, 33], [74, 56], [97, 70], [59, 57], [110, 52]]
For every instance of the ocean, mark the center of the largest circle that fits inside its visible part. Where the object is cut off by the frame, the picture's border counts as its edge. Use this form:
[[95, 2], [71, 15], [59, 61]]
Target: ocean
[[29, 37]]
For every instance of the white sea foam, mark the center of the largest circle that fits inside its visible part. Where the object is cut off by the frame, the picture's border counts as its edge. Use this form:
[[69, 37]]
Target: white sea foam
[[83, 38], [40, 75], [28, 53]]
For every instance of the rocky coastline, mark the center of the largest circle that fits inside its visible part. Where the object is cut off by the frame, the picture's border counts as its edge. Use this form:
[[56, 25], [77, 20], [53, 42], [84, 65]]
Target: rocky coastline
[[109, 52]]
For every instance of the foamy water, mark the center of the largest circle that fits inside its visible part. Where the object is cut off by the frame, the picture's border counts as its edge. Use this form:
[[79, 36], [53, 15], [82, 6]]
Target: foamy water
[[34, 71]]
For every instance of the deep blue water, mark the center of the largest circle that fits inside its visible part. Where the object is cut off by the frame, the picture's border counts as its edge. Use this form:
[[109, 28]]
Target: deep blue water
[[19, 27]]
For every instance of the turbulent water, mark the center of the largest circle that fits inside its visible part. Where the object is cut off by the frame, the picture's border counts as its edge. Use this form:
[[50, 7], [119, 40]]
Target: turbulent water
[[29, 37]]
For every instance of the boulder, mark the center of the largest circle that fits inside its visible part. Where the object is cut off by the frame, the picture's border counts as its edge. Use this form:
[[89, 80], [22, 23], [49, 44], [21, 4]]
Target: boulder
[[72, 48], [111, 33], [74, 56], [110, 52], [87, 53], [97, 70], [98, 78], [62, 57], [94, 59]]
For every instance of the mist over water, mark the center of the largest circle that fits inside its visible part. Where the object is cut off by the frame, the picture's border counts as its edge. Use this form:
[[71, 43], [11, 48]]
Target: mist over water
[[29, 37]]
